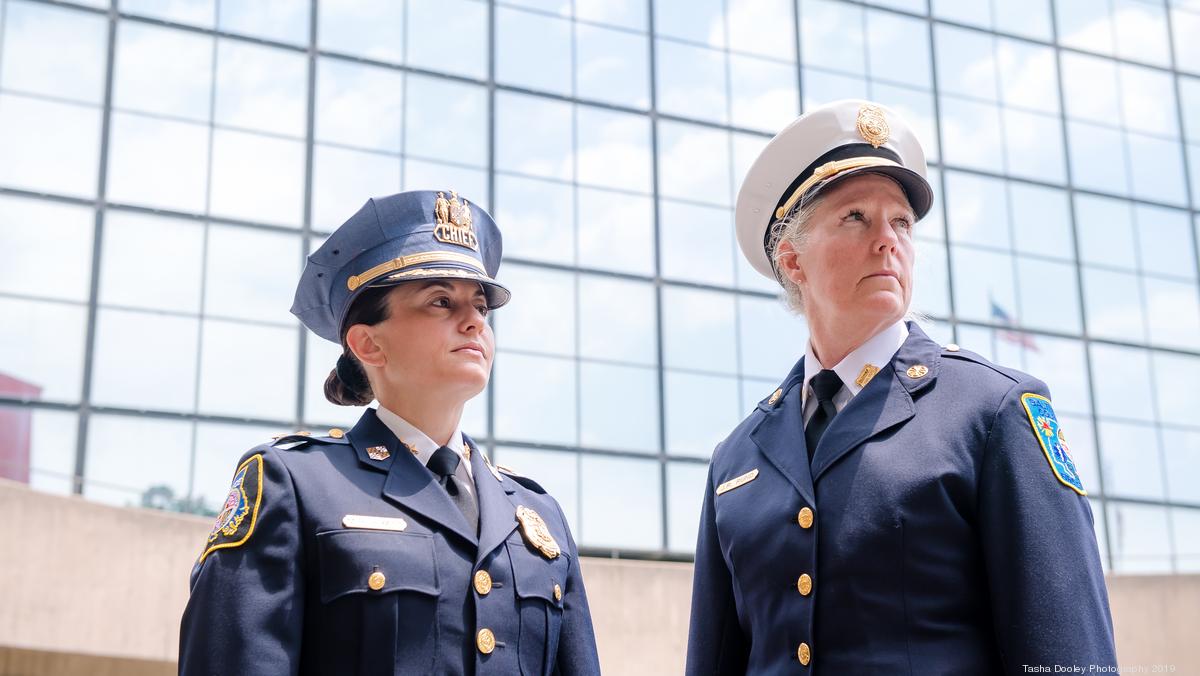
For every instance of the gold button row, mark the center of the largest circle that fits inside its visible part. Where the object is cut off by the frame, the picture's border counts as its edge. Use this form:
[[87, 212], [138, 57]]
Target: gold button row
[[804, 653], [483, 582], [485, 640], [804, 585], [805, 517]]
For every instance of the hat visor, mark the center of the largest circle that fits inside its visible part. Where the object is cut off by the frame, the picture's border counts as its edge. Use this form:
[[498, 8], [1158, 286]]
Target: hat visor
[[916, 188], [497, 294]]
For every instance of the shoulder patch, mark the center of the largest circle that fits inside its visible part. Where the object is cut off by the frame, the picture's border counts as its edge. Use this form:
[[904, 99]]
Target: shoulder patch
[[523, 480], [1050, 436], [235, 523]]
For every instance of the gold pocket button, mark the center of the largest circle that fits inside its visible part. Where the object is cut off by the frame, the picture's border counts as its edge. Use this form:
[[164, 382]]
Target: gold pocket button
[[376, 581]]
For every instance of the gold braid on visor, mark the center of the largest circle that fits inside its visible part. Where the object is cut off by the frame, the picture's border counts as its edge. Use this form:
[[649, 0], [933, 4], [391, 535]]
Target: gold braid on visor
[[829, 170], [402, 262]]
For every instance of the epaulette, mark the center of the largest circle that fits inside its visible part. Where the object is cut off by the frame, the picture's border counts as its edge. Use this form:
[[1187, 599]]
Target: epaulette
[[304, 437], [953, 351], [523, 480]]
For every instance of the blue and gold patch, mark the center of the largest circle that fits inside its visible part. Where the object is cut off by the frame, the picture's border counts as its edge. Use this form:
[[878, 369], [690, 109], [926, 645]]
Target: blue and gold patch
[[238, 516], [1054, 445]]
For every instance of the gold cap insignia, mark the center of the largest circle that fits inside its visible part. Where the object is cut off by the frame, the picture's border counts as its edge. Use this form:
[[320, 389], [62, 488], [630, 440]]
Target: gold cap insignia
[[917, 371], [454, 221], [536, 533], [872, 125], [378, 453]]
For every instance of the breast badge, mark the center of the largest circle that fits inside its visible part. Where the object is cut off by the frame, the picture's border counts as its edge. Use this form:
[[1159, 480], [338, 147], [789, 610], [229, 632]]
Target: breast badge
[[534, 529]]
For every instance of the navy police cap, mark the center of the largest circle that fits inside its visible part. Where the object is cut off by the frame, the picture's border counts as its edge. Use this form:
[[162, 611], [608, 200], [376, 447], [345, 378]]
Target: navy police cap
[[410, 236]]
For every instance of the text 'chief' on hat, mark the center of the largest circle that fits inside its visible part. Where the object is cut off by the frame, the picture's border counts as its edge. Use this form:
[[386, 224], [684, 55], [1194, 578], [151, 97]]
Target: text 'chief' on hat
[[415, 235]]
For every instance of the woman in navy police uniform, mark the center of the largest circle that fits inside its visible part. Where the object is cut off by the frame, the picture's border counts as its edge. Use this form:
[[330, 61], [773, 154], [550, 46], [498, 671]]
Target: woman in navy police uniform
[[895, 506], [395, 547]]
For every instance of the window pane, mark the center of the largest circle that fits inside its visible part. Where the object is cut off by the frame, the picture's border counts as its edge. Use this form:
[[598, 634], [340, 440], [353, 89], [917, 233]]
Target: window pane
[[629, 518], [693, 163], [49, 146], [617, 320], [971, 134], [701, 411], [533, 136], [1061, 364], [1122, 382], [162, 70], [535, 398], [1186, 525], [612, 65], [899, 49], [1090, 88], [136, 461], [613, 149], [699, 330], [1131, 460], [966, 62], [840, 50], [39, 447], [1173, 313], [1105, 228], [931, 288], [370, 28], [462, 50], [1041, 220], [1114, 305], [251, 274], [257, 178], [1084, 24], [697, 243], [1156, 167], [218, 449], [283, 20], [1187, 51], [1030, 18], [195, 12], [978, 210], [137, 373], [771, 339], [685, 496], [1148, 101], [420, 175], [1033, 146], [262, 88], [1028, 74], [533, 50], [691, 81], [1141, 31], [446, 121], [541, 315], [1097, 158], [1164, 241], [763, 27], [762, 93], [821, 88], [345, 179], [627, 13], [1139, 538], [54, 51], [169, 282], [1182, 451], [37, 236], [1049, 295], [359, 105], [248, 370], [41, 347], [618, 407], [699, 21], [535, 218], [983, 285], [1177, 384], [616, 231], [157, 163]]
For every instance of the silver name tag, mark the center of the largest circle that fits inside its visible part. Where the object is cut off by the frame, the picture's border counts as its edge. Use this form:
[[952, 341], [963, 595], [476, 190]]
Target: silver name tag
[[373, 522]]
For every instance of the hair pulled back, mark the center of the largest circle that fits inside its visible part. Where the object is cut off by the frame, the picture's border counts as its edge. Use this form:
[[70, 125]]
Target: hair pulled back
[[347, 384]]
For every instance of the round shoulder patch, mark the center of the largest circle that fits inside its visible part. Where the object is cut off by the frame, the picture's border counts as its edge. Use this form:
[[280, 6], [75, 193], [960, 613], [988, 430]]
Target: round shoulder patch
[[1054, 444], [239, 514]]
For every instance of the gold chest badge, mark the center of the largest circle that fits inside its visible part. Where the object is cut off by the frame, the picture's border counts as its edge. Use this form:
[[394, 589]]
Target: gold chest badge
[[536, 533], [455, 224], [872, 125]]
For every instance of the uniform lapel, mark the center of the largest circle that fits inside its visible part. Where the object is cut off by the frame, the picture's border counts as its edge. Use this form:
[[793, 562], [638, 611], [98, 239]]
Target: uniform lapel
[[408, 483], [780, 435], [885, 402], [497, 511]]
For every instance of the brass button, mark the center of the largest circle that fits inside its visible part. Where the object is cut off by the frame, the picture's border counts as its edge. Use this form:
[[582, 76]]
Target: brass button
[[804, 653], [805, 518], [952, 347], [485, 640], [336, 433], [483, 582], [376, 581], [557, 592], [804, 585], [304, 433]]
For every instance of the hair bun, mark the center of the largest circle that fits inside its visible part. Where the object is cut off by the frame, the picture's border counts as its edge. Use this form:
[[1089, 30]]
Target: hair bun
[[347, 383]]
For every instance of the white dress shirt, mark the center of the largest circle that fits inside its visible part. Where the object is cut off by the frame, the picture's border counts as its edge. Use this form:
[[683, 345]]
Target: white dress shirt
[[423, 447], [876, 352]]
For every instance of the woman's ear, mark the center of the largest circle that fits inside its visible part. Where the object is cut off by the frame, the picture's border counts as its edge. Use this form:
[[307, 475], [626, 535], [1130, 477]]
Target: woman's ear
[[361, 341], [789, 263]]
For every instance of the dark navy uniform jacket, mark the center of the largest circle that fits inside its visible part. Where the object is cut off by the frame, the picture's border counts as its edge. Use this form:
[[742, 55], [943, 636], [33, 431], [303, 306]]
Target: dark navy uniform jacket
[[304, 594], [938, 538]]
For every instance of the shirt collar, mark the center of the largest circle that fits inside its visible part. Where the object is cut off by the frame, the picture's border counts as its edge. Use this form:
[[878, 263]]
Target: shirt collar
[[417, 441], [877, 352]]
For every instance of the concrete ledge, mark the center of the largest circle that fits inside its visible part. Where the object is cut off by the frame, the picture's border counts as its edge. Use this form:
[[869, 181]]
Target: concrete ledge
[[99, 590]]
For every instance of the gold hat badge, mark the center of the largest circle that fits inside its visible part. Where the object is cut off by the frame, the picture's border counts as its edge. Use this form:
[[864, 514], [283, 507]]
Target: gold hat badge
[[872, 125], [454, 222], [536, 533]]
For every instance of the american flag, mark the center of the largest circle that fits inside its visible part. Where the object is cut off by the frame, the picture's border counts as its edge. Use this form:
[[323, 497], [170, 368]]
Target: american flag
[[1011, 334]]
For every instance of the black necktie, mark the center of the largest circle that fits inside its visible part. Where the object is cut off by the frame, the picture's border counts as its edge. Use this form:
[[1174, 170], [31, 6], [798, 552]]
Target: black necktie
[[825, 384], [443, 463]]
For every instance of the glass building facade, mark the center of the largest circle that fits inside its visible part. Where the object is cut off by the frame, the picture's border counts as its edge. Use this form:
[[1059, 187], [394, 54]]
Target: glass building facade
[[165, 166]]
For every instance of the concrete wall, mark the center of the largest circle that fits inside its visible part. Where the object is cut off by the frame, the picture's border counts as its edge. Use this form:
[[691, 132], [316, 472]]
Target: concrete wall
[[96, 590]]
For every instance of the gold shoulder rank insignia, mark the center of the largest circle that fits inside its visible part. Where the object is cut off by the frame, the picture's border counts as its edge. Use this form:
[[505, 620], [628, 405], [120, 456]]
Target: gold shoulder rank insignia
[[235, 523], [536, 533]]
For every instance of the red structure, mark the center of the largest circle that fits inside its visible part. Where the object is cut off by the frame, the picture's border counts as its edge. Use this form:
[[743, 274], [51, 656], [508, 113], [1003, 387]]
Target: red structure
[[16, 429]]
